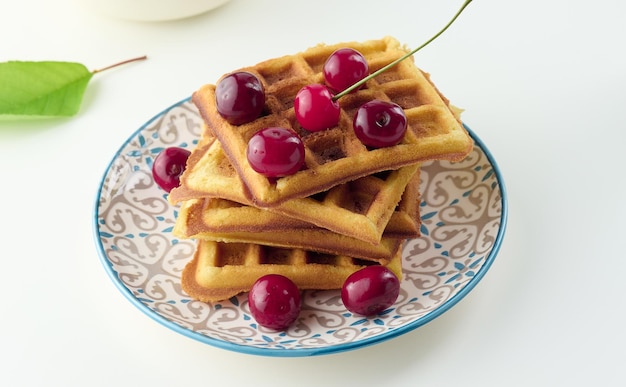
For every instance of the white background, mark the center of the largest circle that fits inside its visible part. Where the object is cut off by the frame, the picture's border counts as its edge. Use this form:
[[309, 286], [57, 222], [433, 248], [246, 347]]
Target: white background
[[543, 84]]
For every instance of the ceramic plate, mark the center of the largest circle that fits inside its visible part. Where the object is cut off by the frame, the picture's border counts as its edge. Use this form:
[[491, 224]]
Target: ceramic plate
[[463, 211]]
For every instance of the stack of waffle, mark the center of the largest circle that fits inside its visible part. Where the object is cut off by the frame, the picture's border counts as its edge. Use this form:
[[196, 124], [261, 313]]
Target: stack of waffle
[[349, 207]]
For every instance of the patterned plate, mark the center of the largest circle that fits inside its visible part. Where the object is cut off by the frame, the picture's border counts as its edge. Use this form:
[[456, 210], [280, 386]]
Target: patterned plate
[[464, 211]]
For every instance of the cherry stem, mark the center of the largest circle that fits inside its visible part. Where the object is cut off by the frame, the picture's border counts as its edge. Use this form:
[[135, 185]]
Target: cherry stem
[[390, 65], [120, 63]]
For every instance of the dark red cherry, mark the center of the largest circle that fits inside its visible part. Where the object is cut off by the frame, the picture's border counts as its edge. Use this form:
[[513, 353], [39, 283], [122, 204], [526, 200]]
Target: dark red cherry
[[315, 108], [344, 68], [167, 167], [275, 152], [240, 98], [370, 290], [379, 123], [274, 301]]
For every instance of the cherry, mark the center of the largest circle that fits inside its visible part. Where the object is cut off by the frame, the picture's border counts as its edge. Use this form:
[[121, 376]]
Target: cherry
[[275, 152], [315, 108], [240, 97], [169, 164], [274, 301], [343, 68], [370, 290], [379, 123]]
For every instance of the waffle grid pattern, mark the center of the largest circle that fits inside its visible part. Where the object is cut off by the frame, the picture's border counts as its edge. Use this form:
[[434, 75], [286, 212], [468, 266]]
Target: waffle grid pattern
[[335, 156], [219, 271]]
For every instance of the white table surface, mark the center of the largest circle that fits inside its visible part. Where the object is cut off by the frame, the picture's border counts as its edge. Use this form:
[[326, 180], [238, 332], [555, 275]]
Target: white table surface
[[544, 86]]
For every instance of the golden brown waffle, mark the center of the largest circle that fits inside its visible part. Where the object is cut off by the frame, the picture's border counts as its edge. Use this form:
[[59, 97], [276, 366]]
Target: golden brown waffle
[[219, 271], [225, 221], [335, 156], [359, 209]]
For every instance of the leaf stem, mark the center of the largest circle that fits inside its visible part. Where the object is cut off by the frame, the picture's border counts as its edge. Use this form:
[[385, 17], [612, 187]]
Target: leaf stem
[[144, 57], [390, 65]]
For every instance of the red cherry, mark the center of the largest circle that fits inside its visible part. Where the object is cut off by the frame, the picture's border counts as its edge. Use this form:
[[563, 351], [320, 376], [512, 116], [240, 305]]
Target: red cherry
[[169, 164], [315, 108], [275, 152], [274, 301], [380, 123], [240, 98], [370, 290], [344, 68]]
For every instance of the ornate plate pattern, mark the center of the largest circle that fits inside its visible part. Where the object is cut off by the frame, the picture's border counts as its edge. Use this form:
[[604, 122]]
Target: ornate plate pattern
[[463, 210]]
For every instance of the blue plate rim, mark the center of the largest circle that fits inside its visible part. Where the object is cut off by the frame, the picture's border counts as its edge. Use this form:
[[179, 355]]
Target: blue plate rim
[[299, 352]]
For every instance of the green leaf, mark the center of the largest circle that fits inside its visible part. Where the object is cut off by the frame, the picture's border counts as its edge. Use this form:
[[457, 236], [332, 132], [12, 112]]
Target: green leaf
[[42, 88], [45, 89]]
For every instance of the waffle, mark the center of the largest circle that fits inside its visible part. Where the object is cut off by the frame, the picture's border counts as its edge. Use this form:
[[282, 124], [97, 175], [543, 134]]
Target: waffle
[[219, 271], [335, 156], [225, 221], [359, 209]]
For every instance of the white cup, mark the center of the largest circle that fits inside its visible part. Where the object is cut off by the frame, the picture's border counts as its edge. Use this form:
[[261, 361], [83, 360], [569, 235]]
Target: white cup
[[152, 10]]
